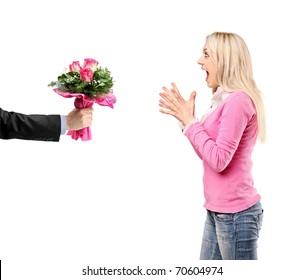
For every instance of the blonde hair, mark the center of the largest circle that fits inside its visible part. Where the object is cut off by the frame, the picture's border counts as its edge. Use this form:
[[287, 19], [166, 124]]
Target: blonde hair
[[234, 71]]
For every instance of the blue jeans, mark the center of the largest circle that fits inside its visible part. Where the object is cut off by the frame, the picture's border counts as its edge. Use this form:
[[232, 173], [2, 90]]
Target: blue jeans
[[232, 236]]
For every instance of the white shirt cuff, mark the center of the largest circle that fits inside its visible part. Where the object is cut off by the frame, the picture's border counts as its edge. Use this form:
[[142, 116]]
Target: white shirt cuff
[[185, 127]]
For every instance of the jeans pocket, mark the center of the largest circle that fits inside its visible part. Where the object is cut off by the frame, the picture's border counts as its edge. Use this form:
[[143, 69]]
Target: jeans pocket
[[260, 219], [223, 217]]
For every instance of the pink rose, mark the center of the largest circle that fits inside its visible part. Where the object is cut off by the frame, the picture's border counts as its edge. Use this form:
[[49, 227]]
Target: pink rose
[[86, 75], [90, 63], [75, 66]]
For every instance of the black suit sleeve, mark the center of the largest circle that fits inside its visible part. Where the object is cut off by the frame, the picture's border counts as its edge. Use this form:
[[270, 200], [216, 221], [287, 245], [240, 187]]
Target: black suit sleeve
[[29, 127]]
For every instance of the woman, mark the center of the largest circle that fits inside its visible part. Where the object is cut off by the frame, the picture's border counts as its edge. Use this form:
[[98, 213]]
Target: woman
[[224, 140]]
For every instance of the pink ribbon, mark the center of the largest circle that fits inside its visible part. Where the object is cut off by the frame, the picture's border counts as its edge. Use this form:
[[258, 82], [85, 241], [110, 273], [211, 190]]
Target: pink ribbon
[[82, 101]]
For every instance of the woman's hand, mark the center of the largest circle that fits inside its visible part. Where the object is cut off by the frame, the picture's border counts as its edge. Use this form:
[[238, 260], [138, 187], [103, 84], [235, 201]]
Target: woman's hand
[[175, 105]]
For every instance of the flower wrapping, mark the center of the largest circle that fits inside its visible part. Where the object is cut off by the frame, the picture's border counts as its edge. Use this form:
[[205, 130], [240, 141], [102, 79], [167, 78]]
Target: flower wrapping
[[88, 84], [82, 101]]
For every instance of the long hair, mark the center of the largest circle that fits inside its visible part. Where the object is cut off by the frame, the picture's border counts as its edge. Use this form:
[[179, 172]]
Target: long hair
[[234, 71]]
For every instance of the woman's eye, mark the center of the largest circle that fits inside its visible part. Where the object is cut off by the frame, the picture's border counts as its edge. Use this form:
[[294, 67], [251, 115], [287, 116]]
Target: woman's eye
[[206, 55]]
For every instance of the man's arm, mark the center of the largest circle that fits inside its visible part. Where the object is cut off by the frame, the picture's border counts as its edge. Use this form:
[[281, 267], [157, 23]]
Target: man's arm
[[42, 127], [29, 127]]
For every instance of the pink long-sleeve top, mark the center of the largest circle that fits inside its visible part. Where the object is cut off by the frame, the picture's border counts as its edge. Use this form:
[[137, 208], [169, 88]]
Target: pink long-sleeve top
[[224, 141]]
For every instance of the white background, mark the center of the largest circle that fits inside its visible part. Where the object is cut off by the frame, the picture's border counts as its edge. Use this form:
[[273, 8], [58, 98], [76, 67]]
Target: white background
[[133, 195]]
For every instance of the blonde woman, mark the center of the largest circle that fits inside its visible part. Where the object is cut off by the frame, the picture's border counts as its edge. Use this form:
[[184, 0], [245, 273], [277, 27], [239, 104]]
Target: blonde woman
[[224, 140]]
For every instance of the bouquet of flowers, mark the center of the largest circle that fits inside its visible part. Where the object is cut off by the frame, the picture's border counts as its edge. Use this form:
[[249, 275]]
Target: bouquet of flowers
[[89, 84]]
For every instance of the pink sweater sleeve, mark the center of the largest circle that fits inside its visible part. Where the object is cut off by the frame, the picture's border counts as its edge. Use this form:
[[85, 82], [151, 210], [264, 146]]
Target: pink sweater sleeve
[[234, 115]]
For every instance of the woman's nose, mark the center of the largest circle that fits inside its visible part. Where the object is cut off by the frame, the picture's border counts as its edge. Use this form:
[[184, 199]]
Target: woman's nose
[[200, 60]]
